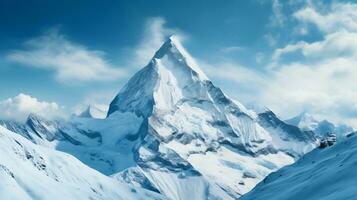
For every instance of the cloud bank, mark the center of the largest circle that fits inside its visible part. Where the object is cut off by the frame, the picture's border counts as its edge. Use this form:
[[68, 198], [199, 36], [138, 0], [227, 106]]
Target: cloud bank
[[19, 107], [323, 80]]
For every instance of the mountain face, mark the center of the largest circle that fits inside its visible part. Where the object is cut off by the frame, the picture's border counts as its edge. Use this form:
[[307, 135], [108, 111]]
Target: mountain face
[[287, 135], [327, 174], [170, 130], [192, 131], [307, 122], [29, 171]]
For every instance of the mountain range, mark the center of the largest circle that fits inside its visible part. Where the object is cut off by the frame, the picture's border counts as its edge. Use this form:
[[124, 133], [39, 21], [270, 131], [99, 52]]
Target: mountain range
[[308, 122], [169, 133]]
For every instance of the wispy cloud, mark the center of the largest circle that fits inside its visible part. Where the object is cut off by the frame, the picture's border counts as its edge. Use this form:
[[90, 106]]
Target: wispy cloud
[[231, 49], [239, 81], [270, 39], [20, 106], [69, 60], [154, 35], [338, 16], [277, 18]]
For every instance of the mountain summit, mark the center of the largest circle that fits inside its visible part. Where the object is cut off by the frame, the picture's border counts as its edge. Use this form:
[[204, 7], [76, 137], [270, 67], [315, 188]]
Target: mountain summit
[[171, 75]]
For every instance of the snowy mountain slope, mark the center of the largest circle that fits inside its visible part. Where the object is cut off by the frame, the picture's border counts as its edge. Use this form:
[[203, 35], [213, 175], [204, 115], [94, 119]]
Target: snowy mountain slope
[[93, 141], [326, 174], [290, 138], [306, 121], [40, 131], [29, 171], [191, 122], [172, 131]]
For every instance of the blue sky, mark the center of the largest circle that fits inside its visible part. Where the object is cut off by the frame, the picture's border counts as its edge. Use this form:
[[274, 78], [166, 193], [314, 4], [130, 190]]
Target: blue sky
[[290, 56]]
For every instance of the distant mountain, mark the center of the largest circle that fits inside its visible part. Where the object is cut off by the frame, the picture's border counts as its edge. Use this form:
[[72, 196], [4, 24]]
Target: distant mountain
[[95, 111], [326, 174], [306, 121], [170, 130], [287, 133]]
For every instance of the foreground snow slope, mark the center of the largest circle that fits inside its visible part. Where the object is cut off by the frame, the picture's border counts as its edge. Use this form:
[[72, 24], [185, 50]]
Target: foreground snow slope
[[326, 174], [28, 171]]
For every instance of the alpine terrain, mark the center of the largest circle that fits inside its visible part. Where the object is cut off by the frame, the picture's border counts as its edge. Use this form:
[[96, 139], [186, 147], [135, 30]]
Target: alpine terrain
[[307, 122], [327, 174], [169, 133]]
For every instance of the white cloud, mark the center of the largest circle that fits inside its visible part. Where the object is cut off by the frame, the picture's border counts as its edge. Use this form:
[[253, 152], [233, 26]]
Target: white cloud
[[328, 89], [70, 61], [323, 79], [19, 107], [338, 16], [155, 34], [334, 45], [278, 53]]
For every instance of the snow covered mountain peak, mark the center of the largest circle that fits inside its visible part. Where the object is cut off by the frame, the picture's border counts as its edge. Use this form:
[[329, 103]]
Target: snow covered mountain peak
[[187, 124], [308, 122], [174, 50], [171, 76], [304, 121]]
